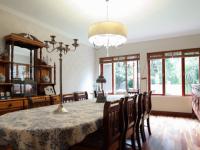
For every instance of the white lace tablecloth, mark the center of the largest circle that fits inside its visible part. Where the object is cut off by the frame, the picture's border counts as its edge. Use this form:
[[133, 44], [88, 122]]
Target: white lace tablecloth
[[41, 129]]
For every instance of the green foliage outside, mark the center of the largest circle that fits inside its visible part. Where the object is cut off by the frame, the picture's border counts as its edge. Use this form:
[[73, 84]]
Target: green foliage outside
[[173, 70], [120, 75], [191, 73], [130, 75], [156, 71]]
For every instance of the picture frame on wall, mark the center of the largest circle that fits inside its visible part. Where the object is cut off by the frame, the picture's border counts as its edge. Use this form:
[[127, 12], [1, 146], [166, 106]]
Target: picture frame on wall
[[49, 90]]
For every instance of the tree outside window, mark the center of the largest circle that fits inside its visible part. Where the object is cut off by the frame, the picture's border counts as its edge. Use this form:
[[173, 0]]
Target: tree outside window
[[191, 73], [120, 77], [156, 76]]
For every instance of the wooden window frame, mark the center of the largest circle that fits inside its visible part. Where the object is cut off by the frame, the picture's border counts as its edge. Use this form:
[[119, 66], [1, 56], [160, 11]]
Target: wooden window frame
[[184, 53], [122, 58]]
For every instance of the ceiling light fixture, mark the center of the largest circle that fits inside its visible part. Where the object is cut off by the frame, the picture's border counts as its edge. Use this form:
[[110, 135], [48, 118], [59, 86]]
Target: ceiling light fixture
[[107, 33]]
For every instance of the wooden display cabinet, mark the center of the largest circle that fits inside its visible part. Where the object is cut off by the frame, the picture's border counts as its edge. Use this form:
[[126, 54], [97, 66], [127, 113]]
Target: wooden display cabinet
[[36, 69], [33, 72]]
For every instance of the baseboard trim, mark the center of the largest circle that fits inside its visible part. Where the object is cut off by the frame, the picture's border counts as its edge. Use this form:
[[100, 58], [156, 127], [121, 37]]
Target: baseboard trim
[[172, 114]]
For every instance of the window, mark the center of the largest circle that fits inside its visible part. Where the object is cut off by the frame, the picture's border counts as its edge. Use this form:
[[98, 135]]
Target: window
[[191, 73], [173, 72], [173, 76], [156, 76], [120, 77], [121, 73], [133, 75], [107, 71]]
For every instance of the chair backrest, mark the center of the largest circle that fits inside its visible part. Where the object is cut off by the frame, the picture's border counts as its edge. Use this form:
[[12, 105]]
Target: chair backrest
[[113, 123], [130, 114], [39, 101], [144, 103], [100, 93], [95, 94], [101, 98], [80, 96], [134, 91], [70, 97], [139, 107], [149, 104]]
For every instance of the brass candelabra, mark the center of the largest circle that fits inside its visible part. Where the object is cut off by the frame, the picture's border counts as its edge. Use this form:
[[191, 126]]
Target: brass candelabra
[[61, 49]]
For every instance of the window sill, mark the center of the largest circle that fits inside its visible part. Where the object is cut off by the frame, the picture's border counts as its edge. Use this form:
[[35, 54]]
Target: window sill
[[170, 95]]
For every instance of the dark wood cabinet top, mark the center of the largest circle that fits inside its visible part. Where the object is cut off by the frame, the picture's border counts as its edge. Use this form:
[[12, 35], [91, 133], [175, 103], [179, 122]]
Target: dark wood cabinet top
[[24, 40]]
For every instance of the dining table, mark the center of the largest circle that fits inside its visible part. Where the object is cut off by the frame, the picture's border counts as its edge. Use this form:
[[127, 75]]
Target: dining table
[[42, 129]]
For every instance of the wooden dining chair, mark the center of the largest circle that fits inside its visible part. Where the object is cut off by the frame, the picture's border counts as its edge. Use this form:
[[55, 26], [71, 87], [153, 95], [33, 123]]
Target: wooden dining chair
[[133, 92], [144, 112], [130, 117], [110, 137], [80, 96], [95, 94], [99, 92], [148, 107], [39, 101], [70, 97], [138, 127], [101, 98]]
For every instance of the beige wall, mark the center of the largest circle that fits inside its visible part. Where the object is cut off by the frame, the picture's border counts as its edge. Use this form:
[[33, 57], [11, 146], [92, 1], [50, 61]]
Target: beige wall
[[165, 103], [78, 66]]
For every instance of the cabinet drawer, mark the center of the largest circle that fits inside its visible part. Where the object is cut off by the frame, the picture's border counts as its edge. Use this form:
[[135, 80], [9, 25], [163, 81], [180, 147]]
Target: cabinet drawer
[[11, 104], [55, 99], [26, 104]]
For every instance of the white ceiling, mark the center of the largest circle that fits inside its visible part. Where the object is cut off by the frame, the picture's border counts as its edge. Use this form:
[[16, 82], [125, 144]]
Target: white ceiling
[[145, 19]]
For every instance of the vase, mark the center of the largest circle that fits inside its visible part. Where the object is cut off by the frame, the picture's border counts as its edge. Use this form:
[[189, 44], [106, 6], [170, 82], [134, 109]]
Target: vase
[[45, 79]]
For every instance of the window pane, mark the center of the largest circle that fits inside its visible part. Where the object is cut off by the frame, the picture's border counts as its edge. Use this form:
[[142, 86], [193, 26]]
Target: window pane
[[132, 75], [120, 77], [156, 76], [107, 72], [191, 73], [173, 76], [138, 87]]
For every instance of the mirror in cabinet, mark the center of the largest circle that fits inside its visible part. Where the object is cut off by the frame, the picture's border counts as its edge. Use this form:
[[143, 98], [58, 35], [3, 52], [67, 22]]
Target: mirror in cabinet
[[25, 66]]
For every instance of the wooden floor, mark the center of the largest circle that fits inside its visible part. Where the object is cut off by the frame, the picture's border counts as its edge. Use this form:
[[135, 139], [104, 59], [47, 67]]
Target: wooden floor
[[169, 133]]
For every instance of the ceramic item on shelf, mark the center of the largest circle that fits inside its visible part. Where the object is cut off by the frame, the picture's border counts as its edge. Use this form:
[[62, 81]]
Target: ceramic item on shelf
[[45, 79], [2, 78], [8, 94], [2, 96]]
